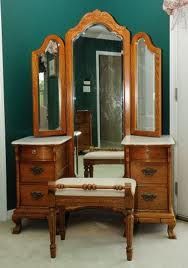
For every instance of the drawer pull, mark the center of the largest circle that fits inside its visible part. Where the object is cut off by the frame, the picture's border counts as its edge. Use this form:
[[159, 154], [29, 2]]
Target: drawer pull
[[34, 151], [37, 195], [149, 171], [148, 196], [37, 170]]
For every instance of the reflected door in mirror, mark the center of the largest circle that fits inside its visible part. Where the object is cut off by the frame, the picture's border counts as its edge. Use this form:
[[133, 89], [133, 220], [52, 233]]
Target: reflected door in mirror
[[109, 100]]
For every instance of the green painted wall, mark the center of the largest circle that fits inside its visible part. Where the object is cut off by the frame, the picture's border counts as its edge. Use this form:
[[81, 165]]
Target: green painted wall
[[25, 25]]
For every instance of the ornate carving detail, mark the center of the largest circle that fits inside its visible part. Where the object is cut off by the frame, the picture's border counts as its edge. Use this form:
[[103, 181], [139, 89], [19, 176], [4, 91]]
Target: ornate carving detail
[[149, 171], [37, 195], [148, 196], [37, 170]]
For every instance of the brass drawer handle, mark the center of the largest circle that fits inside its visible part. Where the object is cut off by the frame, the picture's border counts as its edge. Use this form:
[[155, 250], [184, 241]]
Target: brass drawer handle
[[149, 171], [37, 195], [33, 151], [37, 170], [148, 196]]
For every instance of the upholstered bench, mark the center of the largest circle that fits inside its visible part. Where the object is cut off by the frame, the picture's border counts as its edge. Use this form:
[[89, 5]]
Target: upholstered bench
[[72, 193], [101, 157]]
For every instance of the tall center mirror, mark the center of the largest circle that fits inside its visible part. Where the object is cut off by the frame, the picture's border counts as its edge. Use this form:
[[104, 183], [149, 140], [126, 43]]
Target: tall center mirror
[[98, 90], [98, 76]]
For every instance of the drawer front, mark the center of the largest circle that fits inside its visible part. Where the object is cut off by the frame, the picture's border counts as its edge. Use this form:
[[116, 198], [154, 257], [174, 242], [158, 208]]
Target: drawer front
[[149, 172], [36, 153], [151, 198], [33, 195], [148, 153], [37, 171]]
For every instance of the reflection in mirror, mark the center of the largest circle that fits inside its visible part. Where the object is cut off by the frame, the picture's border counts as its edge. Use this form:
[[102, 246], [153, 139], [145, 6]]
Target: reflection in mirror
[[49, 103], [145, 90], [98, 88]]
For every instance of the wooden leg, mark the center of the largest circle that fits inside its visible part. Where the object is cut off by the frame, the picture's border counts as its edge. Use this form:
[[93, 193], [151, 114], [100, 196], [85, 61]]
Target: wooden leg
[[170, 230], [129, 234], [62, 223], [91, 171], [86, 171], [17, 220], [52, 230], [125, 226]]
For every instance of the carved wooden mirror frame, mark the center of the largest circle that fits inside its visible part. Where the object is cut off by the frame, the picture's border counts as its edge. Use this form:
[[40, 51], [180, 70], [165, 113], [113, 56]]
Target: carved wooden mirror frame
[[90, 19], [35, 86], [134, 84]]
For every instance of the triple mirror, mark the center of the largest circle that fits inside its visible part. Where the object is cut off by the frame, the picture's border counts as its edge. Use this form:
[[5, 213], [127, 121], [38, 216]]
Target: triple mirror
[[113, 85]]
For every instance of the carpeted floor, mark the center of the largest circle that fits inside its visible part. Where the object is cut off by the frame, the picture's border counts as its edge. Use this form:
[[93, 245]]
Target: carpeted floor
[[93, 240]]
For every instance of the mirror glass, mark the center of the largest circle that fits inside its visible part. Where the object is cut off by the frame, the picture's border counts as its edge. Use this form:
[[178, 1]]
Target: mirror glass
[[49, 88], [145, 90], [98, 88]]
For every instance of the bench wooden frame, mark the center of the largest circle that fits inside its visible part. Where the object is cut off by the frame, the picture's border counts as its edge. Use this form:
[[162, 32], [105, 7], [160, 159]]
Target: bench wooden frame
[[63, 203], [89, 163]]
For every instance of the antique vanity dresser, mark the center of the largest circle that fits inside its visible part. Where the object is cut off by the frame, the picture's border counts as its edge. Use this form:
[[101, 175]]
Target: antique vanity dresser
[[64, 83]]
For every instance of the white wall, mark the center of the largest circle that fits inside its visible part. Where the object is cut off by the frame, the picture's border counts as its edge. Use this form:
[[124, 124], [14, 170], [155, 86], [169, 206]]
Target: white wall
[[179, 107], [3, 188]]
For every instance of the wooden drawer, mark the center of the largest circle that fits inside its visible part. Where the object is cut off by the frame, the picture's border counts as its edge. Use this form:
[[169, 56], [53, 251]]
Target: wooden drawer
[[34, 195], [148, 153], [36, 153], [37, 171], [151, 198], [149, 172]]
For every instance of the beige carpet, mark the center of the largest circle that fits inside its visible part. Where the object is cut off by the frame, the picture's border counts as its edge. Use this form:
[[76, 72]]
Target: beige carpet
[[93, 240]]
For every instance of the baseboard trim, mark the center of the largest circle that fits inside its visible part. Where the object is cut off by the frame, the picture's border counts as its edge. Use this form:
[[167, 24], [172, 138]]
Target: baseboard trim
[[9, 214], [182, 218]]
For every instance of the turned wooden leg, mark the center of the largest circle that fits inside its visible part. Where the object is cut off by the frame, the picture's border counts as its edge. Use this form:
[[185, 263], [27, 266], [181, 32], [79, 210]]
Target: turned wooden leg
[[91, 171], [86, 171], [129, 234], [52, 230], [62, 223], [170, 230], [17, 220], [125, 226]]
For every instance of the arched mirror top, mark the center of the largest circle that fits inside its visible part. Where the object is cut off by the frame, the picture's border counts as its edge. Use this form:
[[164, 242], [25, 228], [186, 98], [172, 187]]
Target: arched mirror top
[[145, 38], [49, 96], [146, 87], [97, 17]]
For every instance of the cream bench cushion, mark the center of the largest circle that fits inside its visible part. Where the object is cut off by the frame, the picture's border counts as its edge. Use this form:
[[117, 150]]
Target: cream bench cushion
[[104, 155], [96, 181]]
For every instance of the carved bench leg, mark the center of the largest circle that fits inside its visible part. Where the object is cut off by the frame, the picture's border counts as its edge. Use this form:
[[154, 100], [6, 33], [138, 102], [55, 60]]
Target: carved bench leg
[[129, 234], [17, 220], [86, 170], [52, 230], [62, 223], [170, 230]]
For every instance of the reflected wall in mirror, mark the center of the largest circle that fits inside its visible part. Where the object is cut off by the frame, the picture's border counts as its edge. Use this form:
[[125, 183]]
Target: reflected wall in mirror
[[146, 90], [98, 61], [49, 88]]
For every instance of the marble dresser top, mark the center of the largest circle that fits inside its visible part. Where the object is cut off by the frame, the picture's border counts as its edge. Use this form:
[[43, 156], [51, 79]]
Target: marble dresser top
[[31, 140], [139, 140]]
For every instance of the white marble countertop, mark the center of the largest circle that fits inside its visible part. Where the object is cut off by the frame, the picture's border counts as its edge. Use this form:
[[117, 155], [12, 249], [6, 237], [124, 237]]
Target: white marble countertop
[[140, 140], [31, 140]]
